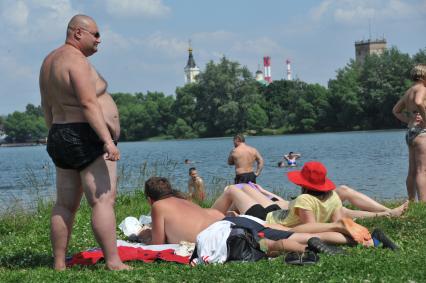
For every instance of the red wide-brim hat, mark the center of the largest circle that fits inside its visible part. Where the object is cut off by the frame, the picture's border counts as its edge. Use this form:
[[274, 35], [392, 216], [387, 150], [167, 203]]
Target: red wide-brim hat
[[313, 176]]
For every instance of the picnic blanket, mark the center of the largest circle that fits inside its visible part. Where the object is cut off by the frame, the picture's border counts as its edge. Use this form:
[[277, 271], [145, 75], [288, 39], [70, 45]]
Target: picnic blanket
[[127, 253]]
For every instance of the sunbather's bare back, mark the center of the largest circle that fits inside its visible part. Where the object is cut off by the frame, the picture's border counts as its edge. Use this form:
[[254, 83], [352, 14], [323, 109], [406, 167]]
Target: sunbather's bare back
[[175, 220]]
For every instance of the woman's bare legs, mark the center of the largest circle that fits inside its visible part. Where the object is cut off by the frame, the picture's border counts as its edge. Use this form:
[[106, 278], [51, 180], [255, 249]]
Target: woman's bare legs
[[359, 200], [242, 199], [267, 193], [420, 162], [392, 212], [370, 207], [329, 237], [257, 196], [335, 233], [277, 248], [233, 196], [411, 176]]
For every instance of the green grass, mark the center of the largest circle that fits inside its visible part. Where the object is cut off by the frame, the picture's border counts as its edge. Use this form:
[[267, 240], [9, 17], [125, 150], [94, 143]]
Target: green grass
[[25, 254]]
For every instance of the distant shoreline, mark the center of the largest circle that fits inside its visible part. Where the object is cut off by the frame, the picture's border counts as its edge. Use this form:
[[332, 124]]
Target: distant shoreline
[[21, 144], [265, 132]]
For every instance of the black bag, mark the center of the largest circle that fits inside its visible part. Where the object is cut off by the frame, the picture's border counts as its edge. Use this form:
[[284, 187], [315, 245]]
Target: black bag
[[242, 246]]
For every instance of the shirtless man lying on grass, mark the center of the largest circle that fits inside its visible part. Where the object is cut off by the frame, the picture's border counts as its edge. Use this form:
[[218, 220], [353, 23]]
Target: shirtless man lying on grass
[[175, 219]]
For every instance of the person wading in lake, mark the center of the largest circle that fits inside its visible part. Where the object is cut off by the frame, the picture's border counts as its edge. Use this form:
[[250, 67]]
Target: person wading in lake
[[196, 185], [411, 109], [83, 130], [243, 157]]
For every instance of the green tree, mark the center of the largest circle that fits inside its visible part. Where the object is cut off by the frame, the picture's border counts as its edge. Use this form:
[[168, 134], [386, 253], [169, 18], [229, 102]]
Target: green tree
[[296, 106], [185, 103], [257, 119], [159, 107], [345, 109], [144, 115], [221, 97], [181, 130], [420, 57], [23, 127], [36, 111], [126, 104], [279, 102], [383, 80]]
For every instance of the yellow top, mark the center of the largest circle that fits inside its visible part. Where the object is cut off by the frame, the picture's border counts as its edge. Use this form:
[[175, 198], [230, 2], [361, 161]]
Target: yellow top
[[323, 210]]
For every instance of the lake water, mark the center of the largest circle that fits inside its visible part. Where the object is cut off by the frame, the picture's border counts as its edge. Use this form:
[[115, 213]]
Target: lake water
[[374, 162]]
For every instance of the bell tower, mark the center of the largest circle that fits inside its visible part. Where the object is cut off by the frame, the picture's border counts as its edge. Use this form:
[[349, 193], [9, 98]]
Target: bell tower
[[191, 69]]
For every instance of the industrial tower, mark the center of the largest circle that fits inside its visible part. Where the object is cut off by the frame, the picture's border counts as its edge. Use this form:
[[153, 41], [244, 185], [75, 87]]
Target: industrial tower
[[288, 63], [267, 68]]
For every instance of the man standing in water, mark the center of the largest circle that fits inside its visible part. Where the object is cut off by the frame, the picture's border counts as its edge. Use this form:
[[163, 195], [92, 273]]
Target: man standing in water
[[411, 109], [83, 131], [243, 157], [196, 185]]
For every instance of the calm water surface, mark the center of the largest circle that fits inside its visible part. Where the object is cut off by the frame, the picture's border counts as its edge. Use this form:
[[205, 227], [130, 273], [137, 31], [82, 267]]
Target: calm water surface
[[372, 162]]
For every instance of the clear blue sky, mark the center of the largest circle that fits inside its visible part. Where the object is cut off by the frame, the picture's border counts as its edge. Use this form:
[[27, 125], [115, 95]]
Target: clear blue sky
[[144, 42]]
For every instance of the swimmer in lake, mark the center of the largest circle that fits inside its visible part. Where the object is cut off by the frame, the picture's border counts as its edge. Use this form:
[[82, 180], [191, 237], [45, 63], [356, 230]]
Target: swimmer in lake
[[290, 159]]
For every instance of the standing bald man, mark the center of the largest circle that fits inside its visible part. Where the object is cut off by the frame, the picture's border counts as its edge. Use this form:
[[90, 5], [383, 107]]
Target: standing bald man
[[243, 157], [83, 131]]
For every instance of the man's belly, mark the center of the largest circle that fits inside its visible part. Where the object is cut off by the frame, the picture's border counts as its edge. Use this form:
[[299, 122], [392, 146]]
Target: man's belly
[[110, 113]]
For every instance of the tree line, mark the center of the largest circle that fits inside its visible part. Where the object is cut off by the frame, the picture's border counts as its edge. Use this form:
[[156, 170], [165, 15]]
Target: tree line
[[226, 100]]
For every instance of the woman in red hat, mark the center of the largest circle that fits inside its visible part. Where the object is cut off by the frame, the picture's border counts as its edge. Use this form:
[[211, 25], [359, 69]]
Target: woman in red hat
[[318, 202]]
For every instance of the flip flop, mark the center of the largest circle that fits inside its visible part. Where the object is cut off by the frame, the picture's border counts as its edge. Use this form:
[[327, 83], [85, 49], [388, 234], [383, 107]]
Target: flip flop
[[358, 232]]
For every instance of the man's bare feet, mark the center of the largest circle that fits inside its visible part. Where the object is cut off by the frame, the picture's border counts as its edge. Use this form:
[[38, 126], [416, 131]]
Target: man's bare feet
[[398, 211], [358, 232], [59, 266], [119, 266]]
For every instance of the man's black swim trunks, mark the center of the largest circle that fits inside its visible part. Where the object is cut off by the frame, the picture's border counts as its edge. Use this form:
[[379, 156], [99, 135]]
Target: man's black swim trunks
[[74, 145], [245, 178]]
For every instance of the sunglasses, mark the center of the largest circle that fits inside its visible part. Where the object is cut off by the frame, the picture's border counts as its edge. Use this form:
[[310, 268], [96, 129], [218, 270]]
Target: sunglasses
[[95, 34]]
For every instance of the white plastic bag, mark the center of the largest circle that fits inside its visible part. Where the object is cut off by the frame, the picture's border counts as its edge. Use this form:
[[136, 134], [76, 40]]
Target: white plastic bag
[[145, 220], [130, 226]]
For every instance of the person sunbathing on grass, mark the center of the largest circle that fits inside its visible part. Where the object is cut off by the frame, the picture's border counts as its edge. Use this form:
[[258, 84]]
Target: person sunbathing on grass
[[175, 219], [254, 200]]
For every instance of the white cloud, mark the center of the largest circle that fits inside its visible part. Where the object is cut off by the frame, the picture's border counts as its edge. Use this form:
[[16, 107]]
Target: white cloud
[[19, 84], [354, 12], [132, 8], [14, 14], [263, 45], [114, 41], [54, 18], [319, 11], [219, 35], [171, 46], [354, 15], [11, 69], [36, 19]]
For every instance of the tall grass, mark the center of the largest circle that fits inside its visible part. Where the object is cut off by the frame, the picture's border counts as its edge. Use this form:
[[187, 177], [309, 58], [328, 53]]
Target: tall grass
[[38, 188]]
